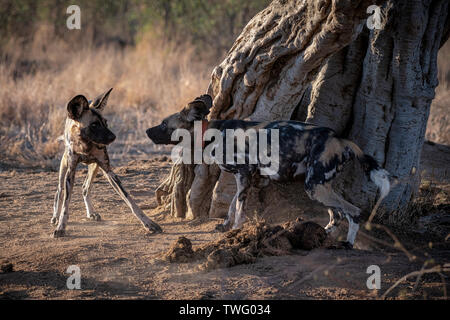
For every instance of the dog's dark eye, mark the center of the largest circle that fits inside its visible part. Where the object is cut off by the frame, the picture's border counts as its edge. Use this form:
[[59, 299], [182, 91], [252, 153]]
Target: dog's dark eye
[[95, 125], [164, 125]]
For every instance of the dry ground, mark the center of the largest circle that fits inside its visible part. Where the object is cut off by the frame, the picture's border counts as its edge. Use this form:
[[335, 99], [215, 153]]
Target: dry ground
[[119, 260]]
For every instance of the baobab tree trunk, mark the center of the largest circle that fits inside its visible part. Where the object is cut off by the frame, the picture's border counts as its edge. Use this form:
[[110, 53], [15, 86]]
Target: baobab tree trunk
[[383, 85], [315, 60]]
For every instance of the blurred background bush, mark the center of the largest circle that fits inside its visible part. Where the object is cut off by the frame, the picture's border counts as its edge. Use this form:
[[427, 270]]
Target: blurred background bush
[[211, 24]]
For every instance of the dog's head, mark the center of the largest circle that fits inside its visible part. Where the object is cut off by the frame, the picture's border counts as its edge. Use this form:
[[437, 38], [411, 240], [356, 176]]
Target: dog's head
[[195, 111], [91, 124]]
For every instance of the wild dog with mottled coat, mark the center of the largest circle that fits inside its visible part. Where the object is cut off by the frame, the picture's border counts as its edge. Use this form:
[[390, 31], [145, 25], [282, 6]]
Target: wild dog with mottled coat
[[86, 136], [304, 149]]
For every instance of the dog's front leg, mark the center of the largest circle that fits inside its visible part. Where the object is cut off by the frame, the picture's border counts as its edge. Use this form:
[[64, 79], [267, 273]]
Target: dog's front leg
[[59, 192], [68, 182], [243, 182], [92, 173], [230, 217], [114, 180]]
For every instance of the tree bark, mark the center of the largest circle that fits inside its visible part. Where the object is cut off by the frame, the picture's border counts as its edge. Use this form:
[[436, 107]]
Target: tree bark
[[391, 103], [172, 193], [317, 61], [278, 54]]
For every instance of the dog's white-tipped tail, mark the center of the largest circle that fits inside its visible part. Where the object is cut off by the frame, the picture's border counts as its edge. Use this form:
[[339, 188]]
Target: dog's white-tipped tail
[[381, 178]]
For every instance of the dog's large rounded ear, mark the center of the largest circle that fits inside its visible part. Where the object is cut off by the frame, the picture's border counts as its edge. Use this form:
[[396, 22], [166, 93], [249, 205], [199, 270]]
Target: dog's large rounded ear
[[77, 106], [100, 102], [206, 99], [195, 111]]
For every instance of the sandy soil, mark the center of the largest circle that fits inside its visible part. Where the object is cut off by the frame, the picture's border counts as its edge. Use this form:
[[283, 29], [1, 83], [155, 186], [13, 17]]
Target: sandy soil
[[119, 260]]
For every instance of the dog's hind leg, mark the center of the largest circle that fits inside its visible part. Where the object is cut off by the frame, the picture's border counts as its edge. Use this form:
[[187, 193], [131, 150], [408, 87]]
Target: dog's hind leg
[[59, 192], [353, 227], [335, 219], [117, 186], [92, 173], [243, 182], [325, 195]]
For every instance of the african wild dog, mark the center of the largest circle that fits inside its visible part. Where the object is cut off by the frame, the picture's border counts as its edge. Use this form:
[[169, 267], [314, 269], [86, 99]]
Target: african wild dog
[[304, 149], [86, 136]]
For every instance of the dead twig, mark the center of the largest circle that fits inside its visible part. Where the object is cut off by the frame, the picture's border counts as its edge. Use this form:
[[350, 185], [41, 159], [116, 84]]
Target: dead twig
[[397, 243], [437, 269]]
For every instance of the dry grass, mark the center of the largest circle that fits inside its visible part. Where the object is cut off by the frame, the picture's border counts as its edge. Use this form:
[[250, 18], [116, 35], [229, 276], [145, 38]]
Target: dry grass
[[150, 81], [438, 126]]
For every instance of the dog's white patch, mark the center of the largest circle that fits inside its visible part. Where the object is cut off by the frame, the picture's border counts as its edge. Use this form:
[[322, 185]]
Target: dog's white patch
[[352, 230], [300, 168], [330, 174], [267, 171], [380, 178], [297, 126]]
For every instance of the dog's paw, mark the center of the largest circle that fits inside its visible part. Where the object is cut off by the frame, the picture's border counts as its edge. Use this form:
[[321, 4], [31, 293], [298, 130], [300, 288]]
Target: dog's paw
[[58, 233], [331, 229], [54, 221], [153, 227], [342, 245], [221, 228], [95, 217]]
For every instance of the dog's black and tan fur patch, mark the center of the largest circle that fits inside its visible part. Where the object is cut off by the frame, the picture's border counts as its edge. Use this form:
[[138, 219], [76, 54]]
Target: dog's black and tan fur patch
[[304, 149]]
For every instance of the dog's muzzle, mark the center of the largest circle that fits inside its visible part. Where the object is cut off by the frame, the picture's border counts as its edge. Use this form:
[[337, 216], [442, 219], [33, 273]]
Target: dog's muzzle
[[159, 136], [111, 138]]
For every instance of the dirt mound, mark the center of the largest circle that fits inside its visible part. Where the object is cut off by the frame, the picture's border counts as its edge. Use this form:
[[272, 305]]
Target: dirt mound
[[245, 245], [180, 251], [305, 235]]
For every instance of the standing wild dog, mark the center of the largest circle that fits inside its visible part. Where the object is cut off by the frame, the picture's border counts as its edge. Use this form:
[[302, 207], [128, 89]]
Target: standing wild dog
[[86, 136], [303, 149]]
